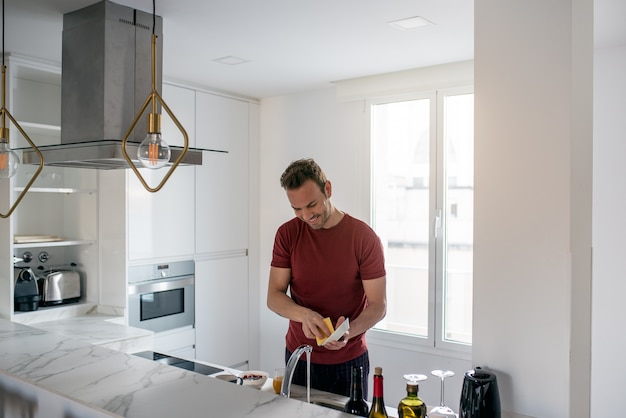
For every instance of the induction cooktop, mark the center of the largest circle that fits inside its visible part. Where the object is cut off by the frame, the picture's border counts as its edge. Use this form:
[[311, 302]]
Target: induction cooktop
[[179, 362]]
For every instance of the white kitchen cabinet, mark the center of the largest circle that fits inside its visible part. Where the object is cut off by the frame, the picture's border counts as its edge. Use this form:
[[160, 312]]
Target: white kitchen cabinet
[[204, 212], [222, 230], [178, 342], [182, 103], [61, 203], [222, 309], [56, 221], [222, 123], [56, 225], [161, 224], [34, 100]]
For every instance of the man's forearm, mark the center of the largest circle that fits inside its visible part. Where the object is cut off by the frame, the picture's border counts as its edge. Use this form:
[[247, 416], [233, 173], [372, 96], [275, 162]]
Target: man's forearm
[[368, 318], [284, 306]]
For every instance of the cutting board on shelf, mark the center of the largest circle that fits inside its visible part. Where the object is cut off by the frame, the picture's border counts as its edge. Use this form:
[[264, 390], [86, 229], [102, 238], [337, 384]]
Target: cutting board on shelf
[[27, 239]]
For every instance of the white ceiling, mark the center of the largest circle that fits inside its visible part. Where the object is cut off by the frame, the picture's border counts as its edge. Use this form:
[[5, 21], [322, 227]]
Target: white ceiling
[[296, 46]]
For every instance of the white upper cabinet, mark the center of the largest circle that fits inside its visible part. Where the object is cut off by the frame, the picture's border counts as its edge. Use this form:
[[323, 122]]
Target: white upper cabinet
[[34, 100], [55, 223], [222, 123], [203, 209], [181, 101], [161, 224]]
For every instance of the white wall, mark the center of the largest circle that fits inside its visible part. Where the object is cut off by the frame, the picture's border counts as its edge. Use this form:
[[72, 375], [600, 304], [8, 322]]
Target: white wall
[[530, 92], [608, 376], [291, 128]]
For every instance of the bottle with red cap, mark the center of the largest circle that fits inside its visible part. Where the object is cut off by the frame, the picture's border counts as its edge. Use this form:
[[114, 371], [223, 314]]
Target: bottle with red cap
[[378, 403]]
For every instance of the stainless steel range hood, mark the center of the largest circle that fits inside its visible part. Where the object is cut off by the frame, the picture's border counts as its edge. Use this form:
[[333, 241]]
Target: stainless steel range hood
[[106, 77], [100, 155]]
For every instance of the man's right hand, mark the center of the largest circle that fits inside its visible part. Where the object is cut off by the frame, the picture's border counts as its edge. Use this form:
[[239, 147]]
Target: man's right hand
[[313, 326]]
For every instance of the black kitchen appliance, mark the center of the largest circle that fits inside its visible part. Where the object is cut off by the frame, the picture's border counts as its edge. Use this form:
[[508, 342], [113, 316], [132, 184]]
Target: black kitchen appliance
[[26, 294], [480, 397], [179, 362]]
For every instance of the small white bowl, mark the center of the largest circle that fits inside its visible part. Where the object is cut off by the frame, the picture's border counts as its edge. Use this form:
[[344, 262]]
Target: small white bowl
[[227, 377], [253, 378]]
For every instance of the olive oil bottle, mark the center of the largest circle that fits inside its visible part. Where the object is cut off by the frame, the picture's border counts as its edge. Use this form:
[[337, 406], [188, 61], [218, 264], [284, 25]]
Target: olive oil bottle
[[411, 406]]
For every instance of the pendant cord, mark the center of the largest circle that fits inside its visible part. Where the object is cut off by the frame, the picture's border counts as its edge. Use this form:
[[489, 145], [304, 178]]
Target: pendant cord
[[3, 33], [153, 14]]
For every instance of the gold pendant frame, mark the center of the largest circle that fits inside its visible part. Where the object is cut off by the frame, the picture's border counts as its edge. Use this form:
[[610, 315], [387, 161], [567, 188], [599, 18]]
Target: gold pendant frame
[[4, 113], [154, 97]]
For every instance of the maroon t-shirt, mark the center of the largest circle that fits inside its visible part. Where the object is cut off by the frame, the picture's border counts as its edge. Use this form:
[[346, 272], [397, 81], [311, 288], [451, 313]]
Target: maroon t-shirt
[[327, 266]]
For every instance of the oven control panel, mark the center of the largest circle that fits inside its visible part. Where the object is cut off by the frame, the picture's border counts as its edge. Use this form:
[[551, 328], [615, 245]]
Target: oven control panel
[[162, 270], [158, 271]]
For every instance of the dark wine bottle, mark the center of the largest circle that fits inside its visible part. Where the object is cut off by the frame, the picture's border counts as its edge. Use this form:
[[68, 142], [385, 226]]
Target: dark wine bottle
[[378, 403], [357, 405]]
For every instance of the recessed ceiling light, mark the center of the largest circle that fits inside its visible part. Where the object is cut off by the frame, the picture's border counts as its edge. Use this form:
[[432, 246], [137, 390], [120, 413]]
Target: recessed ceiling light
[[230, 60], [411, 23]]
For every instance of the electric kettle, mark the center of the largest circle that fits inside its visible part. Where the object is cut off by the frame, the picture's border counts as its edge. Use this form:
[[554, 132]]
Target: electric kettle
[[479, 396]]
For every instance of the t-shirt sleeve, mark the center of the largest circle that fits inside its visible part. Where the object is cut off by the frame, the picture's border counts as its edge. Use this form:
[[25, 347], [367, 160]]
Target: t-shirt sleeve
[[372, 260], [281, 254]]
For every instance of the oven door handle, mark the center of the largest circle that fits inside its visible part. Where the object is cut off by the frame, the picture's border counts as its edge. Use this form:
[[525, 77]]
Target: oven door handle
[[160, 285]]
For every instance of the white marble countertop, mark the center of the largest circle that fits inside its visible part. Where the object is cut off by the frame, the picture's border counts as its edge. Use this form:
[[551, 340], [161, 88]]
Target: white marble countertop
[[113, 383], [103, 330]]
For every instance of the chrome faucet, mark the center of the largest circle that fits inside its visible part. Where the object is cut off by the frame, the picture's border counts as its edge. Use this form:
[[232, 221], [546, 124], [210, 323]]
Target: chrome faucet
[[285, 389]]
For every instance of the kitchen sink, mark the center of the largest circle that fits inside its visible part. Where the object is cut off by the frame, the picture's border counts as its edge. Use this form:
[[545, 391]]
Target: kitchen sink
[[329, 404]]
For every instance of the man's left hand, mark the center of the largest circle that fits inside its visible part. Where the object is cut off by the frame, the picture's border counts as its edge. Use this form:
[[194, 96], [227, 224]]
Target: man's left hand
[[340, 343]]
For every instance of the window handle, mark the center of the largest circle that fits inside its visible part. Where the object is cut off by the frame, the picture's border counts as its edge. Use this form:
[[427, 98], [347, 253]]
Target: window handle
[[437, 222]]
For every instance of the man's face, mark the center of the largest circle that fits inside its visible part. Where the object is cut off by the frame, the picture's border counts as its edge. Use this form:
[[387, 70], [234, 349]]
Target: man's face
[[310, 204]]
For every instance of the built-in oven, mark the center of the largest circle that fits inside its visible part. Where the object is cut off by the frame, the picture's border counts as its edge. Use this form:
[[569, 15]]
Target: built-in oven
[[161, 296]]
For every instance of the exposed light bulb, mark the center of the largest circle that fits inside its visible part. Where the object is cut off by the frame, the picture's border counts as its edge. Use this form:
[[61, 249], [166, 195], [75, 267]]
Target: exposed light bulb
[[8, 160], [153, 151]]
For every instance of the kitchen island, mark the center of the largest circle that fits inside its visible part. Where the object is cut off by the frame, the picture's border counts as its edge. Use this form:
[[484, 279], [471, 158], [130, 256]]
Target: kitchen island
[[55, 375]]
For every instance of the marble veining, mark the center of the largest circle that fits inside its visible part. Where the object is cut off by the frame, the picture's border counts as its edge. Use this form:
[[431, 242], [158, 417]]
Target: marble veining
[[104, 330], [113, 383]]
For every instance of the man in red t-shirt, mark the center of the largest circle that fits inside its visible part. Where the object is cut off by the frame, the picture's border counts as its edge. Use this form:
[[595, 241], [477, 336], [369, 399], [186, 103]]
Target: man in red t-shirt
[[333, 266]]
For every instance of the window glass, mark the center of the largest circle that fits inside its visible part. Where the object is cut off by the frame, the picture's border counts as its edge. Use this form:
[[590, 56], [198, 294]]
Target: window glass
[[422, 208], [459, 217], [401, 172]]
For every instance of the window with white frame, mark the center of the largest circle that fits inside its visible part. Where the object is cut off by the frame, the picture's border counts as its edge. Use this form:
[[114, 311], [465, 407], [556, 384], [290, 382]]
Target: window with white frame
[[422, 208]]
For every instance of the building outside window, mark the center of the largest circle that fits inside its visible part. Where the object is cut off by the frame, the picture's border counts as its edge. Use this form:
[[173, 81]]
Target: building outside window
[[422, 208]]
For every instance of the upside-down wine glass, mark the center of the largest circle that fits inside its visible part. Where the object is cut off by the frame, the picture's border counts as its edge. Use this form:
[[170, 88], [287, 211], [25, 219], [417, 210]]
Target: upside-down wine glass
[[442, 410]]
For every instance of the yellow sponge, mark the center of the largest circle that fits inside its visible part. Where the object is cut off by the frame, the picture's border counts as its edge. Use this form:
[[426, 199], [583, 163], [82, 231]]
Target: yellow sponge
[[329, 324]]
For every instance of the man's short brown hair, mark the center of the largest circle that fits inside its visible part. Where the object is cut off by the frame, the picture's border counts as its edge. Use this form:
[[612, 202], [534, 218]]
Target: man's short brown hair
[[300, 171]]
